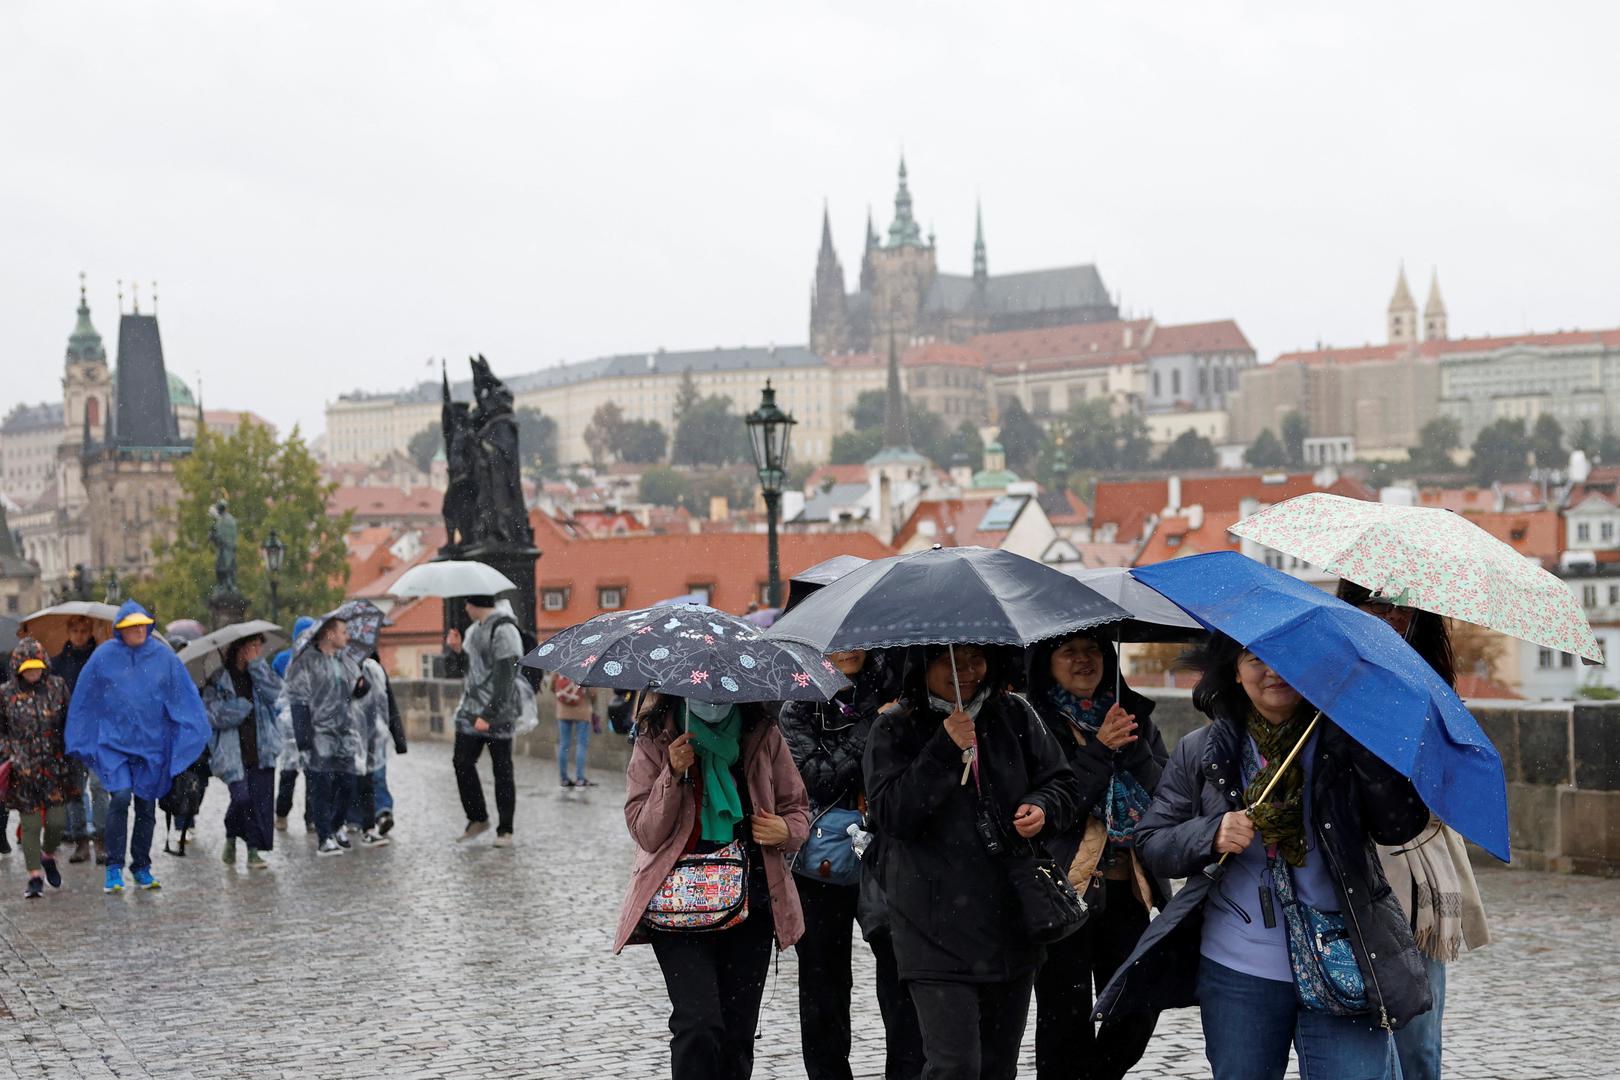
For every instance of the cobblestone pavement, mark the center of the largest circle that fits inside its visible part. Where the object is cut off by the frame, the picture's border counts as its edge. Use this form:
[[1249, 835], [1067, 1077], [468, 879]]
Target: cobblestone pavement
[[425, 959]]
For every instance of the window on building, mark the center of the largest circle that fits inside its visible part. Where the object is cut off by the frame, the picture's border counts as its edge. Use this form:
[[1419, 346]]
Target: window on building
[[1583, 531], [763, 594], [1175, 383], [1589, 596], [1203, 382], [1614, 594], [611, 599], [701, 593], [1566, 660], [1606, 531], [1156, 390], [1544, 658], [1042, 401], [553, 599]]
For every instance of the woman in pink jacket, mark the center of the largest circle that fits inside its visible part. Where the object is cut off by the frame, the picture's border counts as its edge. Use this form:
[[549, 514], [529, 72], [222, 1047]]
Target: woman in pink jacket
[[700, 777]]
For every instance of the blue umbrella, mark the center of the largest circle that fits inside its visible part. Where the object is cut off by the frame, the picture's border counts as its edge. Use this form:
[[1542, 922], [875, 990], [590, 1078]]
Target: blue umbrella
[[1359, 673]]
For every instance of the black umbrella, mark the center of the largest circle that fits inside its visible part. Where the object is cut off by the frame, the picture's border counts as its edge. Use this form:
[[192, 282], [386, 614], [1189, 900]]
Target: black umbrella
[[959, 595], [805, 582], [690, 651]]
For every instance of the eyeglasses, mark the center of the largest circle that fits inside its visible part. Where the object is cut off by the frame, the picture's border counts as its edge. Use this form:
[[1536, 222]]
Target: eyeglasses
[[1381, 608]]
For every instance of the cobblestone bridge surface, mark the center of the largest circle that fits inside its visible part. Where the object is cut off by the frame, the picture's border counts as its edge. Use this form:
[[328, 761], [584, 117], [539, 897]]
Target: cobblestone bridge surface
[[425, 959]]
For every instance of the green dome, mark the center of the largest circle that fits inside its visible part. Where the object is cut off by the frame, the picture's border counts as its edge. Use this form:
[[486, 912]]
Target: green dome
[[180, 393]]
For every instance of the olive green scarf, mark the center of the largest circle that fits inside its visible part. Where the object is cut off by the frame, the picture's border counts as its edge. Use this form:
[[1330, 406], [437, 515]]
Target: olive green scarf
[[718, 745], [1281, 818]]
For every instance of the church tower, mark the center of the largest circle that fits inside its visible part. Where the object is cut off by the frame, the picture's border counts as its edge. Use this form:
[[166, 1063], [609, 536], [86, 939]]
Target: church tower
[[1434, 312], [829, 316], [905, 271], [86, 403], [1403, 313]]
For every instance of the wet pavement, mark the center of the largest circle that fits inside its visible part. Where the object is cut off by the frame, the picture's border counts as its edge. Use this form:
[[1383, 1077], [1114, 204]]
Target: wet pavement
[[426, 959]]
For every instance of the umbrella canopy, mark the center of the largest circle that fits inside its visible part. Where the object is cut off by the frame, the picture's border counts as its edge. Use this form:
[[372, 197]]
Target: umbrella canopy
[[1153, 618], [452, 577], [690, 651], [206, 655], [763, 617], [1425, 557], [961, 595], [1360, 673], [48, 626], [365, 619], [805, 582]]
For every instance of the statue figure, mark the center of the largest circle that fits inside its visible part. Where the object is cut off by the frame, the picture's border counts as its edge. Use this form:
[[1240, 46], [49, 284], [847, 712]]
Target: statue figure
[[222, 534], [502, 517], [460, 454]]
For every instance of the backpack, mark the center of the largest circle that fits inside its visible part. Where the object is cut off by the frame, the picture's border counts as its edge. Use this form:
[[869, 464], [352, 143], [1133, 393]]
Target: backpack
[[533, 676], [568, 692]]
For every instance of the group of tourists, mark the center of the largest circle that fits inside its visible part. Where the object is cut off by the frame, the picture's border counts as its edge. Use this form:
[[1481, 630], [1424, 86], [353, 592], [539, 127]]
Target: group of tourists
[[937, 760]]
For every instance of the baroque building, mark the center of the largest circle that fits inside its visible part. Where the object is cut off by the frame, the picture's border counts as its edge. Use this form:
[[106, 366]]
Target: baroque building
[[903, 293]]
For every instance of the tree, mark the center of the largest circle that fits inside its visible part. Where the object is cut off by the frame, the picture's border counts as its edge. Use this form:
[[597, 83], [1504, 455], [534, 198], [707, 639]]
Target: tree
[[709, 433], [665, 486], [1547, 442], [602, 433], [1500, 451], [641, 442], [1266, 452], [424, 445], [1609, 447], [269, 485], [855, 447], [1091, 438], [965, 440], [1020, 436], [1436, 440], [686, 397], [1294, 432], [537, 440], [869, 410], [1585, 438], [1189, 450]]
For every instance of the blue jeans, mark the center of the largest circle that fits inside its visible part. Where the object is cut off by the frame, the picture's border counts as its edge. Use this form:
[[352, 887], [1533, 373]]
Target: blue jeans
[[328, 795], [380, 792], [87, 815], [575, 734], [1249, 1023], [371, 798], [140, 842], [1418, 1043]]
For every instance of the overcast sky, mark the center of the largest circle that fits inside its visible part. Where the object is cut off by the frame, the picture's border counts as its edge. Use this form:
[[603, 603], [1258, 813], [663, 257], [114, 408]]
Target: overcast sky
[[329, 194]]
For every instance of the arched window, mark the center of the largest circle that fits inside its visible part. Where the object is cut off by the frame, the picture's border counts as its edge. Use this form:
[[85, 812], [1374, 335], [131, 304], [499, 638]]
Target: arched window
[[92, 411]]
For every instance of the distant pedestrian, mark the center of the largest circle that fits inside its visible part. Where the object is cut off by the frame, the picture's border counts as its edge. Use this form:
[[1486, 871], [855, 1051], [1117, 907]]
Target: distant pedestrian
[[242, 703], [86, 815], [713, 780], [577, 715], [488, 714], [136, 720], [291, 760], [33, 714], [370, 706], [322, 681]]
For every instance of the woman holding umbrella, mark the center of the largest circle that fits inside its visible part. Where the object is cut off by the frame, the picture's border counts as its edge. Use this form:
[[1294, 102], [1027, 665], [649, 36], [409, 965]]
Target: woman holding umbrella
[[954, 777], [1296, 831], [321, 680], [1108, 736], [241, 702]]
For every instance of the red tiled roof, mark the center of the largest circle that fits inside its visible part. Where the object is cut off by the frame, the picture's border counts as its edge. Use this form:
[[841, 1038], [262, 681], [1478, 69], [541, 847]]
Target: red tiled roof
[[840, 474], [391, 502], [422, 618], [388, 571], [1079, 345], [1222, 335], [1174, 537], [1128, 503], [955, 523], [1078, 512], [1538, 534], [1470, 685], [1450, 347], [1097, 554], [1459, 499]]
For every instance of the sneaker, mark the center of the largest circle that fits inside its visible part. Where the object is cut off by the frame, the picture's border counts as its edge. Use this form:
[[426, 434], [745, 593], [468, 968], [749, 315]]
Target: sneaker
[[53, 873], [281, 823], [385, 822], [309, 826], [5, 844], [473, 829], [567, 783], [81, 852], [371, 839], [502, 839], [329, 846], [114, 881], [143, 878], [255, 861], [101, 852], [228, 856], [35, 890], [582, 782], [341, 839]]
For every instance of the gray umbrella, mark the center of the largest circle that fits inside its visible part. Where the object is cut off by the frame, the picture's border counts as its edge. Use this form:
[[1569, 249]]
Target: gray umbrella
[[206, 654]]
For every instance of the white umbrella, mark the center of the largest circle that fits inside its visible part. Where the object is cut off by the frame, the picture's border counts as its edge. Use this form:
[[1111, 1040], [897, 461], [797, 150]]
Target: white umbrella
[[452, 577], [48, 626], [206, 655]]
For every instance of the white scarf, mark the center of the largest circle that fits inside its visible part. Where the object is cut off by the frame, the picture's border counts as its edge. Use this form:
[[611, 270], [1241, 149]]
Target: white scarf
[[971, 707]]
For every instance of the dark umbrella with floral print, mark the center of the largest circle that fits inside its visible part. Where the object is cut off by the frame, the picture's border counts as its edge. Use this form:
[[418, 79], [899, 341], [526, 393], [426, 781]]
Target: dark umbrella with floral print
[[690, 651]]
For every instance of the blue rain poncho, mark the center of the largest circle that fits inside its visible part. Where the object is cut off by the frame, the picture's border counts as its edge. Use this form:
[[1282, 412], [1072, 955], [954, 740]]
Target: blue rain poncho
[[136, 718]]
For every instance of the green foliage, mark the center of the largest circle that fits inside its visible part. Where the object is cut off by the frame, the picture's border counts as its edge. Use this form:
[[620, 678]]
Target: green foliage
[[269, 485], [537, 440], [1436, 440], [964, 440], [1598, 693], [707, 432], [1294, 431], [1547, 443], [640, 442], [855, 447], [869, 410], [1020, 436], [686, 396], [1091, 438], [666, 486], [602, 433], [1500, 452], [1266, 452], [424, 445], [1189, 450]]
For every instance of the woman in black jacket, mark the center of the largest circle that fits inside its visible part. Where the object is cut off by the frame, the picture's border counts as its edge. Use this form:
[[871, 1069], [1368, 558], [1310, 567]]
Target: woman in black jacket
[[827, 740], [1222, 941], [946, 784], [1117, 754]]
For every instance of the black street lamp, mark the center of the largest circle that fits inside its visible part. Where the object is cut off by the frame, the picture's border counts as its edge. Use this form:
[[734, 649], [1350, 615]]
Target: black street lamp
[[769, 431], [274, 552]]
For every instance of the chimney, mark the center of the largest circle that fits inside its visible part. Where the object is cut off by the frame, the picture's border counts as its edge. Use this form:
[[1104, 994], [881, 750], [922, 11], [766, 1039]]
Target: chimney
[[885, 509], [1172, 500], [1195, 517]]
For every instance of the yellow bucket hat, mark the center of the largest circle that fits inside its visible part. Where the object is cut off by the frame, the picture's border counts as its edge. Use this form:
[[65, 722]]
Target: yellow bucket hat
[[30, 665], [134, 618]]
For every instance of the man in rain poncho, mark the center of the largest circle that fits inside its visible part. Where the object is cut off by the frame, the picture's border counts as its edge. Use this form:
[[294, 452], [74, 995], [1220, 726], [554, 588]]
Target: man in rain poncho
[[489, 714], [137, 721], [291, 759]]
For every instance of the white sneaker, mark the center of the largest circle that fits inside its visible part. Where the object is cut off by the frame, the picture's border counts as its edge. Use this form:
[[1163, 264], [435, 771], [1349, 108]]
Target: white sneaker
[[371, 839], [502, 840], [473, 829], [329, 846]]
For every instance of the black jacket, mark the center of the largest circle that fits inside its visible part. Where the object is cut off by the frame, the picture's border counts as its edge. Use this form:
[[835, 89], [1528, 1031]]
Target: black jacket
[[1356, 801], [828, 738], [952, 912], [70, 661]]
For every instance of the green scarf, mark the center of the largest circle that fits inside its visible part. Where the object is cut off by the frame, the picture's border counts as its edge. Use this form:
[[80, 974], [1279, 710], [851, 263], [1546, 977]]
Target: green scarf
[[718, 747], [1281, 818]]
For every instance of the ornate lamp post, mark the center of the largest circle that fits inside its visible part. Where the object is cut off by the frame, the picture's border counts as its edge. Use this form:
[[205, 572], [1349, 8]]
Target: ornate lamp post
[[769, 431], [274, 552]]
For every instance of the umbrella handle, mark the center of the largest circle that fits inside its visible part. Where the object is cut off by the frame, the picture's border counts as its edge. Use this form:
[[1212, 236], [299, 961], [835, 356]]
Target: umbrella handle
[[955, 682], [1214, 872]]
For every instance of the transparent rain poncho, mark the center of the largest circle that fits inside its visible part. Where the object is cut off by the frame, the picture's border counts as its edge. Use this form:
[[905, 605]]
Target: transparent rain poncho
[[320, 691], [494, 687], [371, 716]]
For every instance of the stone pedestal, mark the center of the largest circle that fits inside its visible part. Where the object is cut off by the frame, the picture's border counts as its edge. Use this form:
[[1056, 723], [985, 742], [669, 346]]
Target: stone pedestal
[[225, 606]]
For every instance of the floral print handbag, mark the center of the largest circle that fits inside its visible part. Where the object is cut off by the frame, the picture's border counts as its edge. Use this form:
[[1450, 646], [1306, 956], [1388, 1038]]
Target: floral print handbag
[[702, 892], [1327, 977]]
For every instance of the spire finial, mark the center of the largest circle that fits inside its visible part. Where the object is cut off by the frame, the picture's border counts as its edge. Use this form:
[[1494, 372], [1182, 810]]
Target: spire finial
[[120, 296], [135, 297], [981, 265], [154, 296], [82, 301]]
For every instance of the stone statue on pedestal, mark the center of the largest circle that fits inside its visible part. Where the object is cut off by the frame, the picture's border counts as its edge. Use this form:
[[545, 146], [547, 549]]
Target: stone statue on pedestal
[[222, 534]]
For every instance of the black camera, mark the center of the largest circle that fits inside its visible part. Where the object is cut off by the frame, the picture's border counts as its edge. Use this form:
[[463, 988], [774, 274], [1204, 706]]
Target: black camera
[[989, 832]]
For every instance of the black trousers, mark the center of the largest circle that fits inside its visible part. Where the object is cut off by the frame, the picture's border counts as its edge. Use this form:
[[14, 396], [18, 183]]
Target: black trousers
[[465, 760], [715, 982], [971, 1031], [826, 983], [286, 785], [1065, 1046]]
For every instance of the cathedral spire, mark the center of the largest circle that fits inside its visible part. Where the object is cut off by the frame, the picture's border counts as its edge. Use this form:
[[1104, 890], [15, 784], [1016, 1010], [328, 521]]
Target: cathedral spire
[[1402, 312], [868, 262], [829, 317], [1434, 311], [981, 265], [827, 253], [894, 404], [904, 231]]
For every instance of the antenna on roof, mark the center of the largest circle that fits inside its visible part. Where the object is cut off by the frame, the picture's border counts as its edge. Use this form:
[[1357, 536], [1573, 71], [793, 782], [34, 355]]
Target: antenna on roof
[[120, 296], [154, 297]]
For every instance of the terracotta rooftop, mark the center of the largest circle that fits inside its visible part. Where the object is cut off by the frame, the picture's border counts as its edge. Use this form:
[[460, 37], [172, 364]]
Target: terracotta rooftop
[[1175, 536], [1451, 347], [1222, 335], [955, 523], [386, 502], [1127, 504], [1537, 534]]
